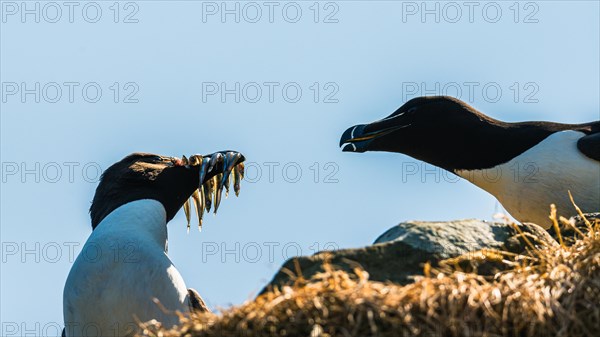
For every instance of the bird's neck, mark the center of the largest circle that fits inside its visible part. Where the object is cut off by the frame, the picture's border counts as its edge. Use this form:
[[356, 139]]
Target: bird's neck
[[484, 146], [143, 220]]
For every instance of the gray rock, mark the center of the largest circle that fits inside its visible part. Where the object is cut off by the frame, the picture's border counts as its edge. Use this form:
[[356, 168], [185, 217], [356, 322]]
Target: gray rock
[[449, 239], [400, 253]]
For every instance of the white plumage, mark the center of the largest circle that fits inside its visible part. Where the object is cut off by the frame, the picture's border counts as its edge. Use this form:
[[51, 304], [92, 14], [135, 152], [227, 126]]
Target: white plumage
[[543, 175], [124, 258]]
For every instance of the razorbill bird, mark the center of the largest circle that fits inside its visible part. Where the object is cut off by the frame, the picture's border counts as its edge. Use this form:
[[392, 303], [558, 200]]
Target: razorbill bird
[[527, 166], [123, 275]]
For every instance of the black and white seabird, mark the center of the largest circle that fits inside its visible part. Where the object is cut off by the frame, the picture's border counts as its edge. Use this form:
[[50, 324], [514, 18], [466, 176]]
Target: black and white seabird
[[123, 275], [527, 166]]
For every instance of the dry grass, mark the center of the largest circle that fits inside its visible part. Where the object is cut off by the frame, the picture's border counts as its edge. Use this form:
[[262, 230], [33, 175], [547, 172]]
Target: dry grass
[[555, 291]]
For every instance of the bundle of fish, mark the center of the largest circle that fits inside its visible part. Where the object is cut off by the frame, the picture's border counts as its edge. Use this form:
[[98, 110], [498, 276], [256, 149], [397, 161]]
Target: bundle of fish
[[229, 165]]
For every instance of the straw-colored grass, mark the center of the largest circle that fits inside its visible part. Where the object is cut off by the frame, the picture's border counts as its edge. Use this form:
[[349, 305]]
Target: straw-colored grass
[[555, 291]]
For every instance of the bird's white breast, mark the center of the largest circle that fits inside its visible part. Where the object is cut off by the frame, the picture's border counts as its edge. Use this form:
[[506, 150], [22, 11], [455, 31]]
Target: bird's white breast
[[542, 175], [122, 267]]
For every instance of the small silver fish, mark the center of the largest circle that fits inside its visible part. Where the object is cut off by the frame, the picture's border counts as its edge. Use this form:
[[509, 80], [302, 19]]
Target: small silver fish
[[226, 184], [241, 169], [186, 209], [208, 193], [202, 199], [236, 180], [228, 164], [218, 191], [199, 208], [215, 159], [203, 170]]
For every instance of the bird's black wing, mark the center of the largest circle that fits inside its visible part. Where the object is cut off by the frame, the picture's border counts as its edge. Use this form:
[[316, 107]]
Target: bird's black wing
[[195, 302], [590, 145]]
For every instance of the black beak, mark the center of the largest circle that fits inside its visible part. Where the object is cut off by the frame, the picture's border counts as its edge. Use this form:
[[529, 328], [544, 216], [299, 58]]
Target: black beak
[[354, 139], [359, 138]]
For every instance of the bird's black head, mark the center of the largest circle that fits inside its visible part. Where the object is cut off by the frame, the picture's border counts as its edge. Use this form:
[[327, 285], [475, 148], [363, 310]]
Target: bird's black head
[[169, 180], [436, 129]]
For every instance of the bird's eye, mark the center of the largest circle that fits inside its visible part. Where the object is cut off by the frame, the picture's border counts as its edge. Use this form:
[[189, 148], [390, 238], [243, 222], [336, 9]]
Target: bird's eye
[[156, 158], [412, 110]]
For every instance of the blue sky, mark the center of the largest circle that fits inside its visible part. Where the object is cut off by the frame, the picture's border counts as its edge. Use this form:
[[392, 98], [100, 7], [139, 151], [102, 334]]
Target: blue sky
[[171, 62]]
